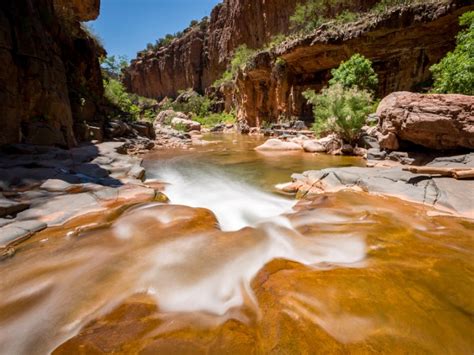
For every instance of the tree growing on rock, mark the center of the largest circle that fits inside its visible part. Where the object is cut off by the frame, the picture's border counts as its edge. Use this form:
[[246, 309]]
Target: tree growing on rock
[[455, 72]]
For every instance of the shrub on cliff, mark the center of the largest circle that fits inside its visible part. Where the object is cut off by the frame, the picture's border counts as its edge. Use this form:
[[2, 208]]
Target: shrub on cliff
[[340, 110], [311, 14], [240, 58], [455, 72], [355, 72], [125, 105], [115, 93]]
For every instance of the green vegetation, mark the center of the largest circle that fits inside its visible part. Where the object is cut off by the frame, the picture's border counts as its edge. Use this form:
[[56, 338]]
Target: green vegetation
[[199, 107], [113, 66], [357, 71], [343, 107], [241, 57], [340, 110], [311, 14], [212, 119], [125, 105], [195, 104], [275, 41], [455, 72], [167, 39]]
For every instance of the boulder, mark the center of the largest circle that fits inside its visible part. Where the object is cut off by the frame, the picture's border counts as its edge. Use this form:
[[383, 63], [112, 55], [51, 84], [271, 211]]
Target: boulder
[[185, 124], [332, 144], [144, 129], [8, 207], [16, 232], [278, 145], [440, 122], [313, 146], [299, 126], [165, 117], [376, 154]]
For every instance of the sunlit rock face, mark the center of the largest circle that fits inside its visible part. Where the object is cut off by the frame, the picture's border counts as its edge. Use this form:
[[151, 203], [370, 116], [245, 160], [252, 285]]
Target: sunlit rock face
[[439, 122], [200, 57], [402, 45], [50, 81]]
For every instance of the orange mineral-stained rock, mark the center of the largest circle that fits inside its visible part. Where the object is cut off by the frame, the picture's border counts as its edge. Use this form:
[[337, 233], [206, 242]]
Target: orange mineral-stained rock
[[384, 303]]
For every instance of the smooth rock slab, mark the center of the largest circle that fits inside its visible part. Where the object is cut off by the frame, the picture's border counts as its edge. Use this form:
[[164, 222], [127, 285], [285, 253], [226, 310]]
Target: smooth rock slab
[[19, 231], [58, 210], [446, 194], [279, 145], [313, 146], [8, 207]]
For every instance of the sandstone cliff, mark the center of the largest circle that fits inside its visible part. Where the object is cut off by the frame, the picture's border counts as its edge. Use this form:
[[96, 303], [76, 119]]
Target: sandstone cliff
[[402, 44], [200, 57], [50, 83]]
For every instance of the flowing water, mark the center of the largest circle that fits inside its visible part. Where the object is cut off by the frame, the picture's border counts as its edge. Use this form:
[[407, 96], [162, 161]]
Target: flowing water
[[230, 266]]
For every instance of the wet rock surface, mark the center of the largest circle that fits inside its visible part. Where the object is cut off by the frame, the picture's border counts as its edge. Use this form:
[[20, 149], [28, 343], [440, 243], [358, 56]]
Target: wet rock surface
[[387, 300], [46, 186], [445, 194]]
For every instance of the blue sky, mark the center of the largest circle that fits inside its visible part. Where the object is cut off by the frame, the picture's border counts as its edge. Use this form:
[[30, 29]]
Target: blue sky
[[126, 26]]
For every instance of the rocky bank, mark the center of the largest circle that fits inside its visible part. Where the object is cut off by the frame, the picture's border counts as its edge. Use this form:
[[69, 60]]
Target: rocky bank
[[46, 187]]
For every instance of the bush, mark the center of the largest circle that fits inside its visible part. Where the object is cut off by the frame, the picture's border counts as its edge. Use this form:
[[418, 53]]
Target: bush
[[129, 106], [241, 57], [307, 16], [275, 41], [213, 119], [340, 110], [357, 71], [346, 16], [455, 73], [195, 104]]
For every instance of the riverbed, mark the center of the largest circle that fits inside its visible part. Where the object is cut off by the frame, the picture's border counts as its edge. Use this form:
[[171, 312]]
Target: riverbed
[[229, 265]]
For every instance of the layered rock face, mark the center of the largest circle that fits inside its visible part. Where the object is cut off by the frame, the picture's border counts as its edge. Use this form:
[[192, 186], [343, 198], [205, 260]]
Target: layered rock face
[[51, 82], [402, 44], [432, 121], [200, 57]]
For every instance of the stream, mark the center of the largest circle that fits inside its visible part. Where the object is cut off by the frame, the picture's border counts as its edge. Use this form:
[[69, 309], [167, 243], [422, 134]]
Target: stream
[[231, 266]]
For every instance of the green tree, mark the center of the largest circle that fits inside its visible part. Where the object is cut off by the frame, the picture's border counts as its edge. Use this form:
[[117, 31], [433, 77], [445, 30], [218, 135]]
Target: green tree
[[340, 110], [357, 71], [455, 72], [113, 66]]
